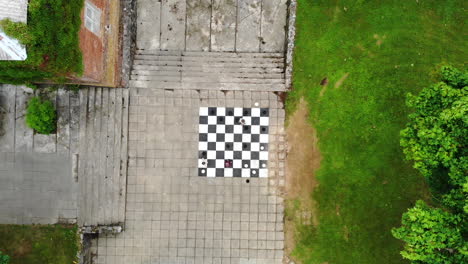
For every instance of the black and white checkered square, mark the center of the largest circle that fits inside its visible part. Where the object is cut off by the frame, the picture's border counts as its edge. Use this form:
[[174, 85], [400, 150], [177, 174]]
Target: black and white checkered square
[[233, 142]]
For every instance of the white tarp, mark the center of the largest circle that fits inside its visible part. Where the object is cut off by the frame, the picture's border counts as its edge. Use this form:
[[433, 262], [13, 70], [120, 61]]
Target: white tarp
[[16, 10]]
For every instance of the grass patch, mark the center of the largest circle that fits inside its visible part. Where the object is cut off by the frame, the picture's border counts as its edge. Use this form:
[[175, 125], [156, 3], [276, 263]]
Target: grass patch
[[372, 53], [52, 40], [31, 244]]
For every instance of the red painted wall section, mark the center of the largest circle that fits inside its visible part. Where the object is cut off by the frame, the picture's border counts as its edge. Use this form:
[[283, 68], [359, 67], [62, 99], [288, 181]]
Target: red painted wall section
[[92, 47]]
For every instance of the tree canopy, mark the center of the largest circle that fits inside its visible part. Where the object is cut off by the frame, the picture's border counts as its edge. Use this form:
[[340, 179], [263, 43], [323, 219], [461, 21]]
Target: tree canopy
[[436, 139]]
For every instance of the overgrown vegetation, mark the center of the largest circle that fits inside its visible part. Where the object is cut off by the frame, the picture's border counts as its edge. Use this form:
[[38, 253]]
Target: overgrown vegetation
[[41, 116], [354, 63], [436, 139], [4, 259], [52, 41], [30, 244]]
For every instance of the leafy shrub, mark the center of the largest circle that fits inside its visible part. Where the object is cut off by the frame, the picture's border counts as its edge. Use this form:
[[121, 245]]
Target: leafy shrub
[[41, 116], [437, 134], [431, 235], [4, 259]]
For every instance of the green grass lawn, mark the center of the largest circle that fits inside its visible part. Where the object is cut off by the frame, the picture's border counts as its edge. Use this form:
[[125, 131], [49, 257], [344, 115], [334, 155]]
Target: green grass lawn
[[26, 244], [386, 49]]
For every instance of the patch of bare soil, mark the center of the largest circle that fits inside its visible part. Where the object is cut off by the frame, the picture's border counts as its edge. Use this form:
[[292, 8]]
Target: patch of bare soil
[[303, 160]]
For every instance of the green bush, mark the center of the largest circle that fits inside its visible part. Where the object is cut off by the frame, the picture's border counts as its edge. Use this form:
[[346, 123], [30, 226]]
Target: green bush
[[4, 259], [41, 116]]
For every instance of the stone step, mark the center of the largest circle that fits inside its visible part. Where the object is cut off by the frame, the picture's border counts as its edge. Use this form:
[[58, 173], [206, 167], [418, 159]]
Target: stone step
[[206, 79], [210, 59], [180, 73], [103, 156], [207, 85], [210, 65], [210, 54], [196, 69]]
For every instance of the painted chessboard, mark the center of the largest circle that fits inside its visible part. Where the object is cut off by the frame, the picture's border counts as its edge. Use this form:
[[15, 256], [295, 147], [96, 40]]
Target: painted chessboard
[[233, 142]]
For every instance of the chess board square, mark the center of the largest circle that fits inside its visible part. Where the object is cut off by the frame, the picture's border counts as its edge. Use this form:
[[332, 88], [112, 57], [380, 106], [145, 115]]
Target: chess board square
[[211, 128], [219, 137], [212, 111], [254, 164], [212, 162], [228, 146], [263, 146], [237, 172], [263, 173], [219, 155], [237, 129], [201, 172], [245, 164], [203, 120], [237, 146], [263, 155], [229, 129], [211, 145], [221, 120], [202, 137], [211, 155], [255, 138], [263, 138], [238, 138], [221, 112], [263, 130], [220, 129], [237, 163], [264, 164], [255, 130], [255, 121], [228, 172], [246, 129], [229, 155], [245, 173], [246, 112], [237, 111], [254, 173], [264, 112], [255, 111], [264, 121], [220, 164], [245, 146], [203, 111], [211, 137], [246, 155], [211, 172], [203, 145], [238, 155], [229, 138], [229, 111], [212, 120], [255, 155], [254, 146], [246, 138], [203, 129], [219, 172]]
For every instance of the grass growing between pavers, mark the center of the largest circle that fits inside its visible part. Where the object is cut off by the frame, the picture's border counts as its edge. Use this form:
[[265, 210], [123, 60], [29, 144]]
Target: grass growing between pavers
[[372, 53], [30, 244]]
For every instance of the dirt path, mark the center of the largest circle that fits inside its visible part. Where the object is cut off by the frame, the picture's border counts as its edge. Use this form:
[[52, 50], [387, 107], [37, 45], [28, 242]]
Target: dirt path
[[302, 161]]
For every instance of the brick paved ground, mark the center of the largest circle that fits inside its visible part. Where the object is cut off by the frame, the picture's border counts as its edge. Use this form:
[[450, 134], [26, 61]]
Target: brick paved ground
[[175, 216]]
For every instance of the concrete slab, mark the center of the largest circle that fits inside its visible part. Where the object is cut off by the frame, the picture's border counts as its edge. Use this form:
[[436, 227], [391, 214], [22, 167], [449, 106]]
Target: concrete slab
[[149, 24], [23, 134], [38, 188], [173, 14], [248, 26], [223, 25], [273, 35], [174, 216], [198, 25], [7, 118]]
